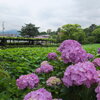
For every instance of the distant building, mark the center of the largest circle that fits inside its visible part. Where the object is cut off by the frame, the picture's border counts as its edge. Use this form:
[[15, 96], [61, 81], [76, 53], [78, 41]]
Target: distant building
[[42, 36], [9, 35]]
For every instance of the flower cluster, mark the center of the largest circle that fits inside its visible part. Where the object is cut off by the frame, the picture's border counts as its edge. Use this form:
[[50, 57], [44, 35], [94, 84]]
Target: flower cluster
[[98, 79], [52, 56], [38, 70], [74, 55], [97, 90], [80, 74], [98, 72], [96, 62], [52, 81], [68, 43], [40, 94], [71, 51], [90, 56], [44, 68], [44, 62], [98, 50], [30, 80]]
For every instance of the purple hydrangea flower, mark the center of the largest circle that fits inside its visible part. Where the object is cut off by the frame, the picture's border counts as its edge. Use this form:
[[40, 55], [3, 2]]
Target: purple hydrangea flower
[[68, 43], [74, 55], [98, 50], [96, 62], [97, 90], [53, 81], [80, 74], [38, 70], [40, 94], [30, 80], [98, 72], [46, 68], [52, 56], [90, 56], [72, 51]]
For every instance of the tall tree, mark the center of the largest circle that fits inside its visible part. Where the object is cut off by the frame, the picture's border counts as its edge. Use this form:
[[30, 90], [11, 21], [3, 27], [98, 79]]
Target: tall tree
[[29, 30], [96, 34], [90, 29], [73, 31]]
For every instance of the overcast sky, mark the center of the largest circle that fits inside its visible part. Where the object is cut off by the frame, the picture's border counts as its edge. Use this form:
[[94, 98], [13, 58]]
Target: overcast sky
[[49, 14]]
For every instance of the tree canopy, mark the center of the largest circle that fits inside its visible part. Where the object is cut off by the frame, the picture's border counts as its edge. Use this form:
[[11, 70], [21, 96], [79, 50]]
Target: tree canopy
[[73, 31], [96, 34], [29, 30]]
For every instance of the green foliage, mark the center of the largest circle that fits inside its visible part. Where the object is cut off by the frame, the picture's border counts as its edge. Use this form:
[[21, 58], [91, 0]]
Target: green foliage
[[23, 38], [72, 31], [90, 29], [96, 34], [20, 61], [92, 34], [29, 30], [15, 62], [90, 40]]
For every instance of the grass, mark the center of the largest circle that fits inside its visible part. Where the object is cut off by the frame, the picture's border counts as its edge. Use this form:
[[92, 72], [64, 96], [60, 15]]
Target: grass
[[91, 48]]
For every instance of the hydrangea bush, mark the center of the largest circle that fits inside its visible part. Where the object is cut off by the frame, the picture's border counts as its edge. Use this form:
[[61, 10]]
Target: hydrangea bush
[[40, 94], [90, 56], [80, 74], [70, 74], [96, 62], [53, 81], [52, 56], [97, 90], [98, 50], [72, 51], [45, 68], [30, 80]]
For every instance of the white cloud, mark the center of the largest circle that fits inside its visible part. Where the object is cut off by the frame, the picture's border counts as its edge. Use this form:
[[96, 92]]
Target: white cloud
[[48, 13]]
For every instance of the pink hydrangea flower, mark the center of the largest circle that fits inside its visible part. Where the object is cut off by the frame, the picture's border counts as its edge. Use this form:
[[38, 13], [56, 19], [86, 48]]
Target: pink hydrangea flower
[[90, 56], [30, 80], [74, 55], [98, 72], [98, 50], [52, 56], [41, 94], [96, 62], [72, 51], [53, 81], [68, 43], [38, 70], [97, 90], [80, 74], [46, 68]]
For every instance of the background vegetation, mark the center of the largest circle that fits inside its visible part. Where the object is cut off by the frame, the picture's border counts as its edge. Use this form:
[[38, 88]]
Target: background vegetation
[[90, 34]]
